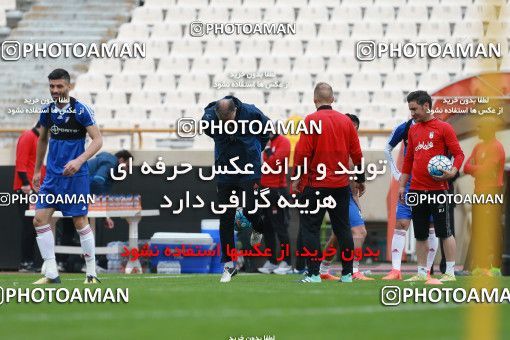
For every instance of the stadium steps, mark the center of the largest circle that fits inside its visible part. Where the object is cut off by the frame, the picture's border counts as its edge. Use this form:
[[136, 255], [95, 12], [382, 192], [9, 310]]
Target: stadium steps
[[54, 21]]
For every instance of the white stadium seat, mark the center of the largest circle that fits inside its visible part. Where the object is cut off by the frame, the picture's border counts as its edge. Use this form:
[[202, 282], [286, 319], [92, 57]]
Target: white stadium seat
[[346, 13], [413, 13], [147, 14], [433, 81], [432, 30], [279, 14], [333, 29], [287, 47], [111, 98], [367, 30], [167, 31], [163, 82], [224, 48], [248, 14], [91, 82], [275, 64], [133, 31], [380, 14], [311, 64], [254, 47], [177, 65], [322, 47], [139, 66], [178, 14], [400, 29], [157, 48], [366, 81], [213, 14], [447, 13], [400, 81], [126, 82], [313, 14], [210, 65], [105, 66], [471, 29]]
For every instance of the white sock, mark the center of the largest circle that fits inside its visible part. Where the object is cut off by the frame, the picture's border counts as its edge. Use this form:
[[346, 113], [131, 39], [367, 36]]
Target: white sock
[[397, 247], [229, 264], [450, 267], [324, 267], [433, 243], [422, 270], [46, 243], [88, 246]]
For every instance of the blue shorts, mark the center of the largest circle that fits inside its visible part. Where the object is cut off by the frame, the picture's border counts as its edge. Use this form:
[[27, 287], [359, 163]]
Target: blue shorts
[[403, 210], [62, 186], [355, 218]]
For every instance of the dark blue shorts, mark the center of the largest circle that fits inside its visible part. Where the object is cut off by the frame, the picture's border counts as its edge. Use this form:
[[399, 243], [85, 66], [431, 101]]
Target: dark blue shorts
[[404, 212], [62, 187]]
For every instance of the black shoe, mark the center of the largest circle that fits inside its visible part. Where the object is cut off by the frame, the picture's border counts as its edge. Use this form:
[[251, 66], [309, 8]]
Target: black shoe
[[91, 280]]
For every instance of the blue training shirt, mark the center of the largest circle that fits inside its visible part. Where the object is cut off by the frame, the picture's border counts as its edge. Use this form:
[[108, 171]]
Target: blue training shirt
[[62, 151]]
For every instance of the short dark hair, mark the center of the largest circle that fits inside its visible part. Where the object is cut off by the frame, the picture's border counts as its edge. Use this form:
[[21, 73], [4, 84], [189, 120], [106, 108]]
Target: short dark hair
[[37, 125], [124, 154], [420, 97], [59, 73], [354, 118]]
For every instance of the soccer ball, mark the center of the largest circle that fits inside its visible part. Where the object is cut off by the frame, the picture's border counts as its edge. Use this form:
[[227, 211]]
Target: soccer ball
[[437, 164]]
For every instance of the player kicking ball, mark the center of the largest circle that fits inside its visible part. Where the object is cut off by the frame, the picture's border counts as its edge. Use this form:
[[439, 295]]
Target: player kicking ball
[[428, 138], [358, 230], [403, 214], [67, 121]]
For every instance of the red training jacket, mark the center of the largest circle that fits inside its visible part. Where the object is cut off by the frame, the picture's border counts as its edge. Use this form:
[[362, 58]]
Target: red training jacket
[[280, 146], [25, 158], [426, 140], [337, 142], [487, 165]]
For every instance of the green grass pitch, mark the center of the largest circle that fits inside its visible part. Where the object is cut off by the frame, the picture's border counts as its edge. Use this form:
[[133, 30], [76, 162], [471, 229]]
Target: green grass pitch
[[252, 305]]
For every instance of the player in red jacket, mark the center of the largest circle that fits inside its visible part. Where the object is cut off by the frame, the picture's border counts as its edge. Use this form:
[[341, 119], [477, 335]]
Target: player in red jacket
[[327, 154], [427, 138], [23, 173], [487, 165]]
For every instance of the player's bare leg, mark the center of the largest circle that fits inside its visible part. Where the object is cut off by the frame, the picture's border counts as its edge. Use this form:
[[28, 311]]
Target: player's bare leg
[[359, 233], [326, 264], [46, 243], [421, 253], [88, 246], [450, 249]]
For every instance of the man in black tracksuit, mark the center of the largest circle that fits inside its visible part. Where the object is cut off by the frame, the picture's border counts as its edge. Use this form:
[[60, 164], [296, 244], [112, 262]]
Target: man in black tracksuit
[[248, 148]]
